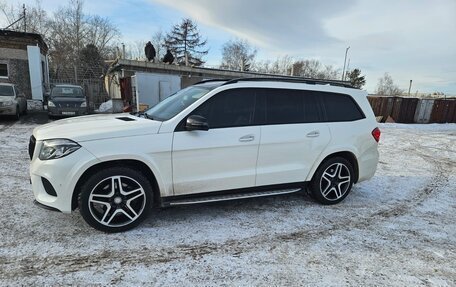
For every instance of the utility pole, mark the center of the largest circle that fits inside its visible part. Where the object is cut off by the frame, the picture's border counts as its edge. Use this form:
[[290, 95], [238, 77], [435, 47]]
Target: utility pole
[[410, 87], [345, 61], [25, 18]]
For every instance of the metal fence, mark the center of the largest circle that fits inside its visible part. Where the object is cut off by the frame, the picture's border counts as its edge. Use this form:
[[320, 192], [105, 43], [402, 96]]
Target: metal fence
[[414, 110]]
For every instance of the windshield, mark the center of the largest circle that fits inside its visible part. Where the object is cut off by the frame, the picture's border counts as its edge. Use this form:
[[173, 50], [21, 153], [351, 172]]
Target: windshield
[[6, 91], [71, 92], [176, 103]]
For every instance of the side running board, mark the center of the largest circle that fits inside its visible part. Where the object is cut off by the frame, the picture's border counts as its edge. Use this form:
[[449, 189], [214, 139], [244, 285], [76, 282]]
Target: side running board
[[225, 197]]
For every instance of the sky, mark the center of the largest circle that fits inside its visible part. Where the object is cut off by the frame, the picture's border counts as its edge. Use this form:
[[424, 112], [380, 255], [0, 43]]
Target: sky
[[409, 39]]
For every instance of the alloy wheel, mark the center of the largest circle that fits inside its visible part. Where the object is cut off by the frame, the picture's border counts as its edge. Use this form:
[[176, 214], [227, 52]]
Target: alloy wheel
[[335, 181], [117, 201]]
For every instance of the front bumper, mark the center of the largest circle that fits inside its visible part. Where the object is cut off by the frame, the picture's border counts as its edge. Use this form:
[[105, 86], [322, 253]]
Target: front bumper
[[66, 112], [8, 110], [63, 174]]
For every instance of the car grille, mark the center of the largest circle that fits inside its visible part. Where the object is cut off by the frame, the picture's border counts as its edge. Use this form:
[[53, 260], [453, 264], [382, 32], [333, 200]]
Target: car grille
[[67, 105], [31, 147]]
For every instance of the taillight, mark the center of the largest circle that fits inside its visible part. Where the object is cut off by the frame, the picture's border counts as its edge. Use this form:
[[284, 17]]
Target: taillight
[[376, 134]]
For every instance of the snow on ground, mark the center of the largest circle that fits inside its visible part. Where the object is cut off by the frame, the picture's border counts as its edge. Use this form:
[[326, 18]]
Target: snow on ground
[[396, 229]]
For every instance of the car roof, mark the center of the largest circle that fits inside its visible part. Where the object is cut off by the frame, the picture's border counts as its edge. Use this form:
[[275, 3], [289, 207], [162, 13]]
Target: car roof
[[278, 80]]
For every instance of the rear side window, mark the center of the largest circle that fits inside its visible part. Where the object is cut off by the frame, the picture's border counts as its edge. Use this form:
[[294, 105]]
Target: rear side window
[[340, 107], [230, 108], [285, 106]]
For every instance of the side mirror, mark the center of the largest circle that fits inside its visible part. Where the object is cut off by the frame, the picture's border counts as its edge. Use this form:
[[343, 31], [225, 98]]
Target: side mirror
[[195, 122]]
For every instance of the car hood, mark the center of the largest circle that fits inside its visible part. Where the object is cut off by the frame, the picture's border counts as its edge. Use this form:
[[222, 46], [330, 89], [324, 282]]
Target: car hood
[[94, 127], [6, 98]]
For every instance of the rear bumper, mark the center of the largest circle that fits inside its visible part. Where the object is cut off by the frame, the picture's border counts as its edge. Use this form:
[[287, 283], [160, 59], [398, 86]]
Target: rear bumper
[[367, 163]]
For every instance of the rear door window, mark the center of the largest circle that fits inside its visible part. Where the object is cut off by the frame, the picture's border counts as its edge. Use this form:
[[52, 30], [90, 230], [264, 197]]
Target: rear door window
[[340, 107], [286, 106]]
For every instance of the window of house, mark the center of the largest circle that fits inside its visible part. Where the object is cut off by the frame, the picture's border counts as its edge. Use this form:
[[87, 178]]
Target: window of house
[[3, 70]]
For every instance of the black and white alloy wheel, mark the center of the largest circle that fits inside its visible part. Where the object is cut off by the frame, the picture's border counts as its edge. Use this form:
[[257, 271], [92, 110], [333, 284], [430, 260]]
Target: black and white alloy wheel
[[332, 181], [115, 199]]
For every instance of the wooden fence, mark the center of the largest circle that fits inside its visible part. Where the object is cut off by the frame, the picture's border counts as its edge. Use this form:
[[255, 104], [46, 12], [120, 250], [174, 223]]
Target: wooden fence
[[414, 110]]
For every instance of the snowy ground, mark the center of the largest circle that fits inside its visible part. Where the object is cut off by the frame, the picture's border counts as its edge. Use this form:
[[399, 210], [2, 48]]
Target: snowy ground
[[397, 229]]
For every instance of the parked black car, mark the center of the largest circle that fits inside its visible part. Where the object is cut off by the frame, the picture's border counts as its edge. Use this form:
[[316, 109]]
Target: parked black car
[[67, 100]]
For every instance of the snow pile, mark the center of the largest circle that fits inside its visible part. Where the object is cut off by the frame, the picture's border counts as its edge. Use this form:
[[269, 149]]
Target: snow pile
[[105, 107]]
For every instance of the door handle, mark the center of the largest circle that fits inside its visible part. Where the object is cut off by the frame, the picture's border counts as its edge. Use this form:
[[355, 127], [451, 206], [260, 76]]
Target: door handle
[[313, 134], [247, 138]]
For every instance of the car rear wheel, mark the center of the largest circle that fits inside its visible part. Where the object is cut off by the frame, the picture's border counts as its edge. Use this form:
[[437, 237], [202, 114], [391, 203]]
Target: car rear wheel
[[115, 199], [332, 181]]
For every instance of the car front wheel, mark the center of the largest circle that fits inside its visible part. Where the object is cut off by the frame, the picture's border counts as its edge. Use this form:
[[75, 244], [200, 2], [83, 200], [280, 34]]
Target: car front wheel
[[332, 181], [115, 199], [17, 116]]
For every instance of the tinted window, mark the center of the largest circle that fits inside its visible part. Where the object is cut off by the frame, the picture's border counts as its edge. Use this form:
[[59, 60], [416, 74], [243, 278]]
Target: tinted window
[[231, 108], [3, 70], [340, 108], [6, 91], [284, 106]]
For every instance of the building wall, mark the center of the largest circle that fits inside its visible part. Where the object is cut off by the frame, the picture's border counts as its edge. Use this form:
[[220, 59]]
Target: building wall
[[18, 74], [13, 52]]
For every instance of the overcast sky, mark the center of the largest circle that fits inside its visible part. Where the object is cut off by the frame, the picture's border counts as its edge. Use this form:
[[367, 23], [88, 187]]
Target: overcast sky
[[410, 39]]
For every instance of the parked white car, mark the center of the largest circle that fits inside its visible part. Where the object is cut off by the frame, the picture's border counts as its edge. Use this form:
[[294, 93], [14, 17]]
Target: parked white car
[[217, 140], [12, 102]]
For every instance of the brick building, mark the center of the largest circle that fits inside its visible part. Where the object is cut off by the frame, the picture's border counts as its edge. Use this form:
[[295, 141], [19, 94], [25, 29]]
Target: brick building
[[24, 62]]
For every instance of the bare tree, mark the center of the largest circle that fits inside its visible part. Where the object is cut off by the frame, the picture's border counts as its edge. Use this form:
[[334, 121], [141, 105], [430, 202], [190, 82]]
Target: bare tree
[[158, 40], [101, 33], [238, 55], [386, 86], [36, 20], [71, 30], [314, 69], [280, 66]]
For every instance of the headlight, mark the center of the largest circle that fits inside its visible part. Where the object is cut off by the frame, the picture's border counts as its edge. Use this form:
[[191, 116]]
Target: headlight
[[84, 105], [51, 104], [57, 148], [8, 103]]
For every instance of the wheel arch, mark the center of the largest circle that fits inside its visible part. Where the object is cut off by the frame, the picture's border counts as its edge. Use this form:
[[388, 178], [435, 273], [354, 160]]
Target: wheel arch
[[135, 164], [348, 155]]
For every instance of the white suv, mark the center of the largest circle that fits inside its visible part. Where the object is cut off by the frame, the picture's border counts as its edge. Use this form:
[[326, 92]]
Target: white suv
[[216, 140]]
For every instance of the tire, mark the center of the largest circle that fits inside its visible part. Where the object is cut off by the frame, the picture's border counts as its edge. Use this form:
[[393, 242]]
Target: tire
[[332, 181], [17, 116], [108, 208]]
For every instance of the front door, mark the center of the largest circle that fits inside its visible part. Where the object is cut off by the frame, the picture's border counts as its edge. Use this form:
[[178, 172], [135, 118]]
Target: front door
[[224, 157]]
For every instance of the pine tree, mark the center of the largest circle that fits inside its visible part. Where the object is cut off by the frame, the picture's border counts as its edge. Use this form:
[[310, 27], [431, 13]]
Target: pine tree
[[186, 43], [355, 78]]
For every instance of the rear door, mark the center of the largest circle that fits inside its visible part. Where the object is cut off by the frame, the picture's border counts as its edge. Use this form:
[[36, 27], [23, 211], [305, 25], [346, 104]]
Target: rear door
[[292, 135], [224, 157]]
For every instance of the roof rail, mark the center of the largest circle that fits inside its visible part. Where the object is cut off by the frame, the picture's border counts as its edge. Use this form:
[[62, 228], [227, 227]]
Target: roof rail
[[292, 80], [212, 80]]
